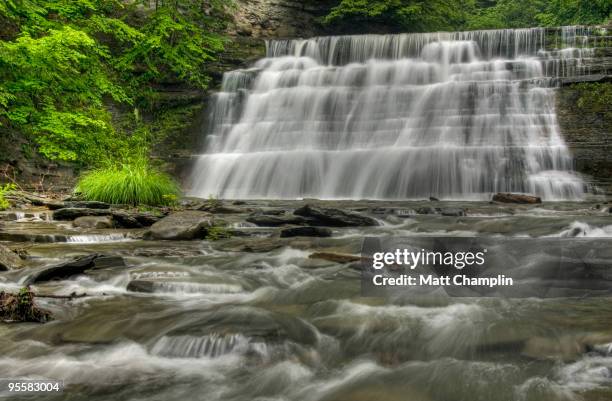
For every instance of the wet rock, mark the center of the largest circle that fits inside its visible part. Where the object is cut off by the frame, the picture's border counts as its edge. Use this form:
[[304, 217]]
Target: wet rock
[[105, 262], [9, 259], [141, 286], [21, 307], [334, 217], [264, 220], [21, 197], [306, 232], [516, 198], [258, 245], [185, 225], [239, 202], [72, 213], [63, 270], [426, 210], [434, 199], [454, 212], [87, 205], [134, 219], [98, 222], [335, 257]]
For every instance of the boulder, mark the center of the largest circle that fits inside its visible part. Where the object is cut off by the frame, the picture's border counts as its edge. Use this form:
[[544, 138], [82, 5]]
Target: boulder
[[98, 222], [63, 270], [141, 286], [333, 217], [433, 199], [105, 262], [185, 225], [451, 211], [335, 257], [265, 220], [306, 232], [516, 198], [9, 259], [426, 210], [134, 219], [87, 205], [72, 213]]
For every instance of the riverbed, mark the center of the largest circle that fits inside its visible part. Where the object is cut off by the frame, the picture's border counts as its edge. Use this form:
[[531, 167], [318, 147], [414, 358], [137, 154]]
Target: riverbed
[[254, 317]]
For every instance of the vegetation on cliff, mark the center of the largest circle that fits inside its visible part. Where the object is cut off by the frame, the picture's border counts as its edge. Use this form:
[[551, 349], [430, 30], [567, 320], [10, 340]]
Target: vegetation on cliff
[[78, 76], [419, 16]]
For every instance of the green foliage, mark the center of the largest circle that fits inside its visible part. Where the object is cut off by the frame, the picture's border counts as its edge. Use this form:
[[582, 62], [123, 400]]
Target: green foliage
[[132, 183], [408, 15], [421, 15], [4, 204], [216, 233], [596, 98], [65, 64]]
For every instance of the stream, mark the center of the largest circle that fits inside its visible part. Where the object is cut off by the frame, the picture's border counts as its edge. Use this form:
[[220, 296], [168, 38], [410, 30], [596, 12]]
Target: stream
[[266, 322]]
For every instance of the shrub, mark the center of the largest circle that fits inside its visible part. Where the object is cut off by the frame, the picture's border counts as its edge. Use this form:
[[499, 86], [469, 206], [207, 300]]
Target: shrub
[[4, 204], [133, 183]]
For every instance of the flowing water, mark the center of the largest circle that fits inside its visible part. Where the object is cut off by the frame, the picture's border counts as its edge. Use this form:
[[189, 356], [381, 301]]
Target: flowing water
[[452, 115], [226, 323]]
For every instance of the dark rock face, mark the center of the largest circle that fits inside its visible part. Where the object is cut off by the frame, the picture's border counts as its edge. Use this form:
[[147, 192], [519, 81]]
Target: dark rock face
[[71, 213], [516, 198], [306, 232], [334, 217], [98, 222], [63, 270], [426, 210], [264, 220], [141, 286], [134, 219], [587, 133], [186, 225], [87, 204], [8, 259]]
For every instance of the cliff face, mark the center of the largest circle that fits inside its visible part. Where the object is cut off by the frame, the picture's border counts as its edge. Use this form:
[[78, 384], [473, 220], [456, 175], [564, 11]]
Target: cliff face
[[587, 129], [280, 18]]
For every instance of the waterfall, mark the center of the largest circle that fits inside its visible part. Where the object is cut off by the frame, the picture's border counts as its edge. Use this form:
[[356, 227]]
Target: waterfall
[[456, 115]]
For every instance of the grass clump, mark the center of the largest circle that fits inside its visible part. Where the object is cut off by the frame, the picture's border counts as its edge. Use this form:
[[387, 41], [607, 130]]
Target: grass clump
[[133, 183]]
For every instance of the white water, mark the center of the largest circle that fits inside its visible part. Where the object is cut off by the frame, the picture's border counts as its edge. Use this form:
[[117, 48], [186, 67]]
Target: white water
[[453, 115]]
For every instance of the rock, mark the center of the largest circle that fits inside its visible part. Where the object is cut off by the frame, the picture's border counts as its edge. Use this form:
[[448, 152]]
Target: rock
[[426, 210], [87, 205], [185, 225], [133, 219], [306, 232], [63, 270], [141, 286], [227, 210], [255, 245], [434, 199], [335, 257], [98, 222], [263, 220], [105, 262], [516, 198], [239, 202], [456, 212], [334, 217], [72, 213], [9, 259], [52, 204]]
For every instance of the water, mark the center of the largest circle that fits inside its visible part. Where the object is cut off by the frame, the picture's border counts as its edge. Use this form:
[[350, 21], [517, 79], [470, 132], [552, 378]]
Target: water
[[455, 115], [228, 325]]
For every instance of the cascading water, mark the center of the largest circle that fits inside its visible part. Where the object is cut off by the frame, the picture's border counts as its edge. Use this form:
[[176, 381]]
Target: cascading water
[[453, 115]]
